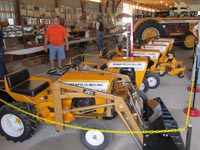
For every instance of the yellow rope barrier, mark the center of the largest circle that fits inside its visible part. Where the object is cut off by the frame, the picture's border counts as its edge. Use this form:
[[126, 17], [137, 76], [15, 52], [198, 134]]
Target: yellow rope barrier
[[83, 128]]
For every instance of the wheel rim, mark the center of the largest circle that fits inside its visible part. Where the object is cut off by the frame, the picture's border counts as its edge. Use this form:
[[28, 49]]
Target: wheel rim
[[152, 81], [189, 41], [94, 137], [150, 32], [12, 125]]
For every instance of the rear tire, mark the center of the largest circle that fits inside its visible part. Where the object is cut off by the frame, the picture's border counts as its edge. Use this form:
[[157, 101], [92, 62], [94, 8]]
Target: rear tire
[[95, 140], [15, 125], [148, 29], [153, 80]]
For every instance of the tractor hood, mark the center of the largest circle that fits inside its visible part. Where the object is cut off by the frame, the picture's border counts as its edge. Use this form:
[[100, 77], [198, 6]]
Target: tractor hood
[[92, 80]]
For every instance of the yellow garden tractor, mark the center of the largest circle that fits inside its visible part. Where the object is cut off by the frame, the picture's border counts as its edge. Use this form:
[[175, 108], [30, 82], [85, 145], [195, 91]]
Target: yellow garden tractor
[[166, 63], [84, 92], [172, 66], [124, 66], [153, 55], [144, 79]]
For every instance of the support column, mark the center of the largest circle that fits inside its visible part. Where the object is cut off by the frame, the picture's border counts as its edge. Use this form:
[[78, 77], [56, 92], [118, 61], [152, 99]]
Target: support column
[[18, 13]]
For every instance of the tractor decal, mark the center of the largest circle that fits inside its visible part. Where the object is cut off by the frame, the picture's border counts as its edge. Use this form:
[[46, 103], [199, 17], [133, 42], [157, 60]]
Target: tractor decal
[[161, 48], [159, 42], [152, 55], [99, 86], [138, 66]]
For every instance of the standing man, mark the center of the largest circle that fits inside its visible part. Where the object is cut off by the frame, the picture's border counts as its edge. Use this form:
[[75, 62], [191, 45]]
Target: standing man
[[100, 29], [3, 69], [196, 33], [57, 36]]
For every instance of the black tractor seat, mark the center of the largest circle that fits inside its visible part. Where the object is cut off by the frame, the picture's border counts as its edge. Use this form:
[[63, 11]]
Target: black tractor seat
[[80, 59], [106, 55], [2, 85], [19, 82]]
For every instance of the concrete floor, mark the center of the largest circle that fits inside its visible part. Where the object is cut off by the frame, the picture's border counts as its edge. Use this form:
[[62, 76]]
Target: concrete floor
[[172, 90]]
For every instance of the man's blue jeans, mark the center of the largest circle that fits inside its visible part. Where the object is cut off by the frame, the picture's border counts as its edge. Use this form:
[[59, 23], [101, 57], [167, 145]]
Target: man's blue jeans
[[100, 40]]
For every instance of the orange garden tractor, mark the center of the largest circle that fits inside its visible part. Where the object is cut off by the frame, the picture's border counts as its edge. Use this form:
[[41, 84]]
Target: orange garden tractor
[[84, 92]]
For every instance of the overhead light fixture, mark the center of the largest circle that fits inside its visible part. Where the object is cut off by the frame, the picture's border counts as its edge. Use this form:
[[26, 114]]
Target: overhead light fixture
[[166, 4], [161, 2], [97, 1]]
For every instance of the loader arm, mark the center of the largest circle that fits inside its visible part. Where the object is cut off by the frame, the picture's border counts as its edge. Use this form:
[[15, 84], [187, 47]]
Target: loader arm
[[131, 120]]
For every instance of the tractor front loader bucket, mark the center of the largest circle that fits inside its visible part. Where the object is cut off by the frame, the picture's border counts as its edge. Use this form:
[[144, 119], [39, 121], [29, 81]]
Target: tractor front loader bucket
[[161, 119]]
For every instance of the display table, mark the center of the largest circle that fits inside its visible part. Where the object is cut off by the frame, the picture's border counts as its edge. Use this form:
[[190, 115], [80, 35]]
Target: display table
[[26, 51]]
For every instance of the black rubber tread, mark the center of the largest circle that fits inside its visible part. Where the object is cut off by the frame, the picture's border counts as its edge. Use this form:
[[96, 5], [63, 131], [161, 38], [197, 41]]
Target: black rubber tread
[[149, 23], [30, 123], [95, 124]]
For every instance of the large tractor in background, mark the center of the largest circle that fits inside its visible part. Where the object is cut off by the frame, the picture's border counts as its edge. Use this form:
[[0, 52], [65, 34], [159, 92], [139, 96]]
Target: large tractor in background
[[172, 27]]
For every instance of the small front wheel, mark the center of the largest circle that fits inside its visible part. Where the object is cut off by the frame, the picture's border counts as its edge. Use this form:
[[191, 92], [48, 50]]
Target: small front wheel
[[95, 139], [153, 80], [180, 74], [144, 86]]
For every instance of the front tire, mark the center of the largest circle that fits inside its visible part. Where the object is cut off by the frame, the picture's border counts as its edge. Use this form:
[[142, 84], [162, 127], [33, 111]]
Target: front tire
[[144, 86], [188, 41], [15, 125], [94, 139], [153, 80]]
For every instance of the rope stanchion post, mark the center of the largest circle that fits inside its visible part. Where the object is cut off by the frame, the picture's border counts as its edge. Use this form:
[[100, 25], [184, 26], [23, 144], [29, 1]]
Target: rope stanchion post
[[194, 112], [188, 137]]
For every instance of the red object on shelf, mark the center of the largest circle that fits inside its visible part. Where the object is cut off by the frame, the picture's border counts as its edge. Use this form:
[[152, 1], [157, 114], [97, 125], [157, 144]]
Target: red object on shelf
[[189, 70], [197, 89], [191, 57], [194, 112]]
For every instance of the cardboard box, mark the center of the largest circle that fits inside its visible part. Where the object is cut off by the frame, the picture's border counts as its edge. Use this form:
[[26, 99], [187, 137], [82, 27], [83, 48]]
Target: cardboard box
[[32, 61]]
